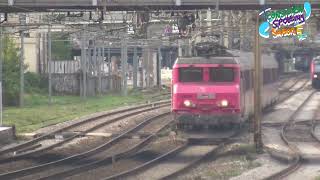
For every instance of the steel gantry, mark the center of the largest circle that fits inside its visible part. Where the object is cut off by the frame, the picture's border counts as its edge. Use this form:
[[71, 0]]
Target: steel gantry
[[125, 5]]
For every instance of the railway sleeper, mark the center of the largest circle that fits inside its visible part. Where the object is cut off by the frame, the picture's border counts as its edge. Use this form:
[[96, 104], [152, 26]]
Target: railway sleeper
[[30, 148]]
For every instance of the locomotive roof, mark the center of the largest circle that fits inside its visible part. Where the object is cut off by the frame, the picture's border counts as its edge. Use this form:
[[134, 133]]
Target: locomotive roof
[[206, 60], [245, 59]]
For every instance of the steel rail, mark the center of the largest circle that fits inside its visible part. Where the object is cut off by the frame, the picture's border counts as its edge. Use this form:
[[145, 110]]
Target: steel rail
[[87, 120], [276, 124], [149, 163], [290, 93], [313, 128], [108, 160], [297, 154], [23, 155], [300, 77], [35, 169], [168, 155]]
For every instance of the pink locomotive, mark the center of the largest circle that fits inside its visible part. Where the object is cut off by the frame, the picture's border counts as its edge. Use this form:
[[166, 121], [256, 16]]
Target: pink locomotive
[[217, 90], [315, 72]]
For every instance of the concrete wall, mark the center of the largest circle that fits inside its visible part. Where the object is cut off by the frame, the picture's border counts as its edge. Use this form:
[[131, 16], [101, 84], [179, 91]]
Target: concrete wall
[[66, 83], [72, 84], [7, 135]]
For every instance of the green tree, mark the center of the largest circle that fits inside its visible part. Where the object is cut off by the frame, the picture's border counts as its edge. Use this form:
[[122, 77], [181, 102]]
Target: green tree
[[61, 49], [11, 75]]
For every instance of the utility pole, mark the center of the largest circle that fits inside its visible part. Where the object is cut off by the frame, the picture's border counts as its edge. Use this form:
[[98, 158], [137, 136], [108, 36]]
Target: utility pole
[[159, 66], [257, 89], [22, 22], [94, 60], [124, 64], [84, 65], [179, 48], [135, 67], [99, 62], [1, 56], [49, 65], [110, 68], [209, 19]]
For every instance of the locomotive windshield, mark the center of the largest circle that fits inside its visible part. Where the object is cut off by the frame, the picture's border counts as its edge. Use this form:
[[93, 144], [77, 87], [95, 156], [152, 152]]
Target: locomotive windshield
[[317, 66], [190, 74], [221, 74]]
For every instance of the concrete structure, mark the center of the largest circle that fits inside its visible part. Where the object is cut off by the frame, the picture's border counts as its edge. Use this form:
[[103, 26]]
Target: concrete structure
[[31, 53], [7, 135]]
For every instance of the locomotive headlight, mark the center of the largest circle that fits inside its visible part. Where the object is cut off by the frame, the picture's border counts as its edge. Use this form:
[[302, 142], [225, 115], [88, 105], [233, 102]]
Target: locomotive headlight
[[315, 76], [187, 103], [224, 103]]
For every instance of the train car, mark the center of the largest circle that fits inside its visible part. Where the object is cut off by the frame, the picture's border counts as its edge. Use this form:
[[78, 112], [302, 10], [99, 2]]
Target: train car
[[315, 73], [218, 90], [302, 59]]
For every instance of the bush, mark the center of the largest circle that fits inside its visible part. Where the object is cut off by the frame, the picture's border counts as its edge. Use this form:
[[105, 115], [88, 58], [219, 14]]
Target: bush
[[11, 72], [35, 83], [61, 49]]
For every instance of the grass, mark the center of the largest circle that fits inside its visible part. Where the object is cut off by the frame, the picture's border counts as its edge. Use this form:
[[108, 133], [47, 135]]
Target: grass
[[37, 113]]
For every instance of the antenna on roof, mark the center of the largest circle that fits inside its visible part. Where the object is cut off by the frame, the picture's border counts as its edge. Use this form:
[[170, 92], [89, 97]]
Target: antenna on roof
[[210, 49], [209, 45]]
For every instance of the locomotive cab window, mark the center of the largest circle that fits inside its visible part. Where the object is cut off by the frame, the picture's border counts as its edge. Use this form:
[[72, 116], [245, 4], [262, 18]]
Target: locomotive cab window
[[190, 74], [317, 67], [222, 74]]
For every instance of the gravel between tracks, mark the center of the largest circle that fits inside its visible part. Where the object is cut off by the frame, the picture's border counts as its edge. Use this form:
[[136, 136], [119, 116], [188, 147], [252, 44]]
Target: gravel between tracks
[[175, 163], [154, 150], [121, 146], [284, 110], [80, 145], [75, 146], [267, 168]]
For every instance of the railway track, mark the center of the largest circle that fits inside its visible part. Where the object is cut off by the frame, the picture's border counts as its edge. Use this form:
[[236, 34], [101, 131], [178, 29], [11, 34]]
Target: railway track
[[86, 122], [118, 147], [84, 165], [286, 93], [287, 78], [294, 83], [175, 162], [291, 133], [13, 161]]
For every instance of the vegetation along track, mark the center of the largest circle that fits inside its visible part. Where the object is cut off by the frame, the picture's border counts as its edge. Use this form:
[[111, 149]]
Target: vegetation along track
[[289, 139], [118, 115], [85, 122], [117, 147], [175, 162]]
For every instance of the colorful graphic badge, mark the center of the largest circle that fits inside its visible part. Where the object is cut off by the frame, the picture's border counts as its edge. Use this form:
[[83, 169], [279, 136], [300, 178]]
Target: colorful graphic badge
[[285, 22]]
